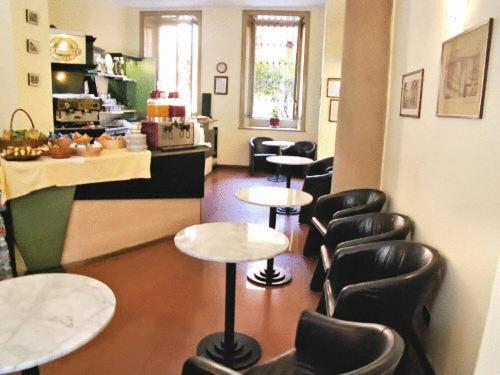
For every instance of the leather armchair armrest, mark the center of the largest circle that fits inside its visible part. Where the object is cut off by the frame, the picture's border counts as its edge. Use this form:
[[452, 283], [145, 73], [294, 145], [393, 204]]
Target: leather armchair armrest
[[205, 366], [317, 185], [346, 231], [327, 205], [365, 208], [315, 333]]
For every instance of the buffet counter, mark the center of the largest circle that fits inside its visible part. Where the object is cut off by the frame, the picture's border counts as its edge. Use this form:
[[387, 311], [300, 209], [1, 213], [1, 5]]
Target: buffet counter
[[81, 208]]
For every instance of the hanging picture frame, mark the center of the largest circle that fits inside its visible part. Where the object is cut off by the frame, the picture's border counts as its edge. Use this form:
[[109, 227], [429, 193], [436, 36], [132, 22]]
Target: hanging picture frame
[[32, 16], [464, 68], [411, 94], [333, 87], [221, 85], [333, 110]]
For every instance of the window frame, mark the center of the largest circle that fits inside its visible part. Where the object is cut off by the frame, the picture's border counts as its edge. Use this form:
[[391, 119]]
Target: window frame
[[248, 75], [159, 13]]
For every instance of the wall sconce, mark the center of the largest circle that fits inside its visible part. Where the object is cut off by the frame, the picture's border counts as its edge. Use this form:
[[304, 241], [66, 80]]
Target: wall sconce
[[457, 11], [61, 76]]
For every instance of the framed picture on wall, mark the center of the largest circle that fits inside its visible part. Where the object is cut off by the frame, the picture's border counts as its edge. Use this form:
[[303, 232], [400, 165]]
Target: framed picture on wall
[[32, 16], [33, 79], [333, 87], [221, 85], [464, 67], [32, 46], [333, 111], [411, 94]]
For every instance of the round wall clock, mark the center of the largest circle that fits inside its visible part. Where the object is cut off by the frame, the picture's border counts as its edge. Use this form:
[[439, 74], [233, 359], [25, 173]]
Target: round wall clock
[[221, 67]]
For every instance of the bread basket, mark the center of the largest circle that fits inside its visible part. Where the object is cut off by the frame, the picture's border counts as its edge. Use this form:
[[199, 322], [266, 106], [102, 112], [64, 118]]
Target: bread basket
[[34, 143]]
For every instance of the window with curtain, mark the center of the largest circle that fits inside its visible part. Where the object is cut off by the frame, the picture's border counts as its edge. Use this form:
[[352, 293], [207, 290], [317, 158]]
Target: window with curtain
[[274, 61], [173, 39]]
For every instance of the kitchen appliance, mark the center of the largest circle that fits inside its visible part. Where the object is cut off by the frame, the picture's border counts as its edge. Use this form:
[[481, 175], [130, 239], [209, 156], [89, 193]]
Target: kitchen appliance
[[170, 134], [76, 110], [77, 113]]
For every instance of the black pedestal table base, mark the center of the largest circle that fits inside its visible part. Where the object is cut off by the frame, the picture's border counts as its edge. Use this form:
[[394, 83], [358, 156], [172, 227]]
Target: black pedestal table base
[[274, 276], [232, 349], [244, 352], [31, 371], [276, 178], [288, 211], [270, 275]]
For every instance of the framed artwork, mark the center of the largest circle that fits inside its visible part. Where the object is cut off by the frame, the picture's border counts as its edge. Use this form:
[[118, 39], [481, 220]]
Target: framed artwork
[[32, 46], [221, 85], [33, 79], [32, 16], [411, 94], [464, 67], [333, 87], [333, 111]]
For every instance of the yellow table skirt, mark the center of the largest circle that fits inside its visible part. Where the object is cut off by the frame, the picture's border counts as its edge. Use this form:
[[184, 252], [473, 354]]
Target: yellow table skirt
[[21, 178]]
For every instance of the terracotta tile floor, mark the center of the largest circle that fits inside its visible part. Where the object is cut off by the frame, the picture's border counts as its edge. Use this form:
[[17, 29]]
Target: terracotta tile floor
[[167, 301]]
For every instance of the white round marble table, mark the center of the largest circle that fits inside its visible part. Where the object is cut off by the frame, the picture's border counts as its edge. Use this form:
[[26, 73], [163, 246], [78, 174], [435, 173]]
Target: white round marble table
[[47, 316], [230, 243], [289, 161], [281, 145], [272, 197]]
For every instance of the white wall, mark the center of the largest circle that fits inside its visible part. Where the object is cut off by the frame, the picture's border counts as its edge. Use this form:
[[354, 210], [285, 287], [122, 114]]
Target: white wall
[[489, 360], [17, 63], [445, 174], [332, 64], [103, 19]]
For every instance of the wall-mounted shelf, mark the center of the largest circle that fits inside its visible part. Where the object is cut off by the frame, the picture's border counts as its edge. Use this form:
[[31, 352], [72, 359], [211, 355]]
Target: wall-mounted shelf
[[73, 67]]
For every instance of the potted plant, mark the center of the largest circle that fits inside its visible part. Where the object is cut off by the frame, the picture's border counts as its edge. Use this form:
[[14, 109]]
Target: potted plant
[[274, 121]]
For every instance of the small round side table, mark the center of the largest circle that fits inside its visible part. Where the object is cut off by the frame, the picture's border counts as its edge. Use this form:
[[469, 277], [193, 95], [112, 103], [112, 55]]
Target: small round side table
[[274, 198]]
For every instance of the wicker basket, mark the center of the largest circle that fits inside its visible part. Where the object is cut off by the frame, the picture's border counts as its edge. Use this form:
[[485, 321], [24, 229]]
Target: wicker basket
[[4, 143]]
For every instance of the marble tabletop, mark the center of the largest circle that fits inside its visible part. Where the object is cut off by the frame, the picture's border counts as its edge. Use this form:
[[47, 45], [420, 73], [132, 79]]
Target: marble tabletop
[[274, 196], [278, 143], [289, 160], [46, 316], [231, 242]]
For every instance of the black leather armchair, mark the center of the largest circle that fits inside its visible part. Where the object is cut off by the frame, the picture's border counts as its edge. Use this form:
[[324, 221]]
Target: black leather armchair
[[259, 153], [324, 346], [384, 283], [336, 206], [355, 230], [317, 182], [305, 149]]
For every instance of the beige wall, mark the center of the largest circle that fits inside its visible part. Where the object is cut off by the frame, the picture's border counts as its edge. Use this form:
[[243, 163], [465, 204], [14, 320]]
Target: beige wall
[[17, 63], [332, 63], [103, 19], [445, 174], [489, 361], [365, 64]]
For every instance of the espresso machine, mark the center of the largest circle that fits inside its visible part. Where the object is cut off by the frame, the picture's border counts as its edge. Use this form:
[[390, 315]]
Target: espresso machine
[[77, 113]]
